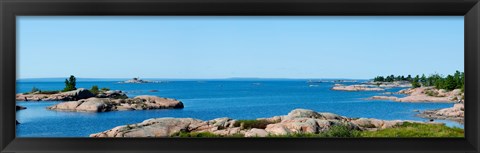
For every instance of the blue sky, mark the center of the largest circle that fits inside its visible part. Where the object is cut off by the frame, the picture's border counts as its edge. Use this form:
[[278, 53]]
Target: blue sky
[[224, 47]]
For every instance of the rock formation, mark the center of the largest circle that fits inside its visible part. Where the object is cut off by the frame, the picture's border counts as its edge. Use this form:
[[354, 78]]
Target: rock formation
[[80, 93], [109, 104], [425, 94], [455, 113], [356, 88], [297, 121]]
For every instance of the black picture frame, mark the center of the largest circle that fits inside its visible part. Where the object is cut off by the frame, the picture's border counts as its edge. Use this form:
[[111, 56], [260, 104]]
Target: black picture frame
[[470, 9]]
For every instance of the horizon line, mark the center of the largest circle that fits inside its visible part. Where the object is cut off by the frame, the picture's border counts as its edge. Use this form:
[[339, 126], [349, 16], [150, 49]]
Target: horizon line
[[188, 78]]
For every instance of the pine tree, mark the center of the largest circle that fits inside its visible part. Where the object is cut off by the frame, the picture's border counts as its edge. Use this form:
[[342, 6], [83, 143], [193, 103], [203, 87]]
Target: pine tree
[[415, 82], [70, 84], [450, 83], [423, 80]]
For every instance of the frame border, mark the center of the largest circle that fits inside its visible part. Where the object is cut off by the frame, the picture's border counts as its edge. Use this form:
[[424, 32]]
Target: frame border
[[470, 9]]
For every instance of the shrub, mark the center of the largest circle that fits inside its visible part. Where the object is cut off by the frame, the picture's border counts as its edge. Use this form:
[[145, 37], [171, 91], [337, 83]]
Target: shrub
[[336, 131], [94, 89], [34, 89], [105, 89], [431, 93]]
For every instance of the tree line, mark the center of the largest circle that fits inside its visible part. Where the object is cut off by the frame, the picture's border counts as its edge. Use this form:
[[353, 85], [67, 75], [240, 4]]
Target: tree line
[[449, 82]]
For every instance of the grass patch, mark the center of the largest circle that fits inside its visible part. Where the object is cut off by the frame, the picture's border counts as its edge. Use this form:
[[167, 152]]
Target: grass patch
[[337, 131], [49, 92], [248, 124], [416, 130]]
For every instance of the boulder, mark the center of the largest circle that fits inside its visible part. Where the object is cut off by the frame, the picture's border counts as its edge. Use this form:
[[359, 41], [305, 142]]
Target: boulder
[[116, 94], [80, 93], [162, 127], [254, 132], [375, 124], [161, 102]]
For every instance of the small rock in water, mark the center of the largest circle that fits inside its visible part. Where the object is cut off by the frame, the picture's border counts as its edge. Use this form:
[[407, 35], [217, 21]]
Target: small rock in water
[[153, 90]]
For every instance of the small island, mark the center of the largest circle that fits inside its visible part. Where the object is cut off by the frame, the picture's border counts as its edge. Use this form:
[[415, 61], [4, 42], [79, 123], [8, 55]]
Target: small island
[[138, 80], [96, 99], [111, 104]]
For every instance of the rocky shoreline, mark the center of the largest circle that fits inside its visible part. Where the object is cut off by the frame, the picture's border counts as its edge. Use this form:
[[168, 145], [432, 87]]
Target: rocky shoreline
[[78, 94], [372, 86], [297, 121], [110, 104], [342, 87], [455, 113], [425, 94], [394, 84]]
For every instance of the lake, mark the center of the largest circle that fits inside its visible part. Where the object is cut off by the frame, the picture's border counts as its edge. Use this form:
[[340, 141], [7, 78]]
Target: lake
[[209, 99]]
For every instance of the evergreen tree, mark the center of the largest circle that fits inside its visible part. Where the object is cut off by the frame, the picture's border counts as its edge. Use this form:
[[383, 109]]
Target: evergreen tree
[[70, 84], [415, 82], [450, 83], [409, 77], [423, 80]]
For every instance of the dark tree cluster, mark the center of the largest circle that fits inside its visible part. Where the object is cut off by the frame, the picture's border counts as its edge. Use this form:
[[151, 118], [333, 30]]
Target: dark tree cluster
[[392, 78], [449, 82]]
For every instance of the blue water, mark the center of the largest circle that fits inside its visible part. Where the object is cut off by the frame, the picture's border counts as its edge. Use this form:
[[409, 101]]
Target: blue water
[[211, 99]]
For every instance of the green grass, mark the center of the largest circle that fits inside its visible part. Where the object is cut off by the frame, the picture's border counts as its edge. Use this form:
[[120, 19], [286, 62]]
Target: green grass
[[416, 130], [49, 92], [337, 131]]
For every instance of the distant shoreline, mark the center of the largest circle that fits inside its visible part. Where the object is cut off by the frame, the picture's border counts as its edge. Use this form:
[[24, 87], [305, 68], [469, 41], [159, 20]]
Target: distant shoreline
[[185, 79]]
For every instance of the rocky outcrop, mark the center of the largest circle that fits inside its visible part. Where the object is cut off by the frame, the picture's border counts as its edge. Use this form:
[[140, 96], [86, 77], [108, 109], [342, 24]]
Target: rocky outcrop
[[455, 113], [254, 132], [116, 94], [425, 94], [356, 88], [161, 127], [80, 93], [297, 121], [394, 84], [110, 104]]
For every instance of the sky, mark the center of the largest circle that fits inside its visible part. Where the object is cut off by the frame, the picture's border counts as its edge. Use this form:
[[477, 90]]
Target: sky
[[186, 47]]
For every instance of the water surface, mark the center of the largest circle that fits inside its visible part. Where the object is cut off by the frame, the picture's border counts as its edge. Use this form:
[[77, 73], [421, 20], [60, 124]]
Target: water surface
[[209, 99]]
